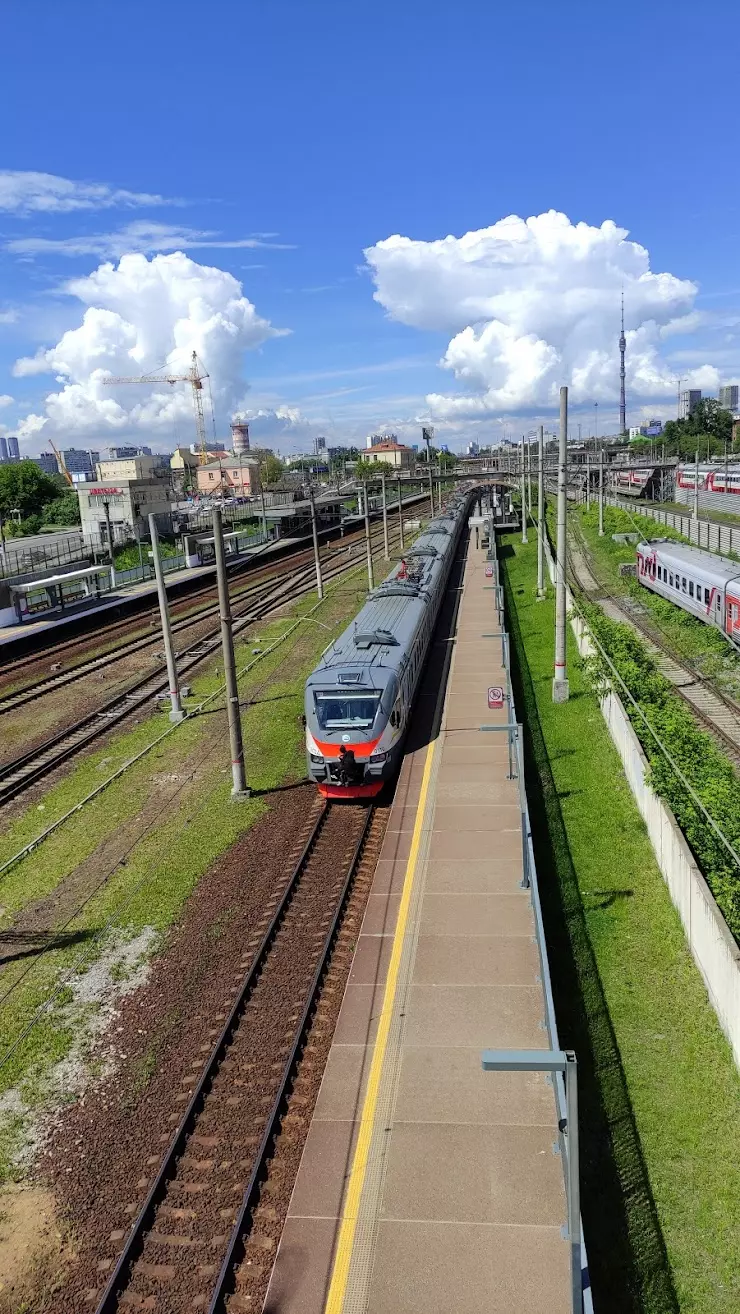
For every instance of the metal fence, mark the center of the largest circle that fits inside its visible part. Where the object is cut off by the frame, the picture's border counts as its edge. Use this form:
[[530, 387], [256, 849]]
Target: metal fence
[[18, 559], [561, 1064], [707, 534]]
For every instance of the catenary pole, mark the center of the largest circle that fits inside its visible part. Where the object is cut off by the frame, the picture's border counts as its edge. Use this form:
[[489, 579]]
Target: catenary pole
[[541, 516], [560, 691], [176, 712], [400, 515], [368, 544], [601, 492], [239, 783], [696, 486], [315, 537], [524, 496], [588, 481], [111, 544], [386, 549]]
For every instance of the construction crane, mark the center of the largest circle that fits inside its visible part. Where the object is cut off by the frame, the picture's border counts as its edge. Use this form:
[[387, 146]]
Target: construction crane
[[62, 467], [194, 377]]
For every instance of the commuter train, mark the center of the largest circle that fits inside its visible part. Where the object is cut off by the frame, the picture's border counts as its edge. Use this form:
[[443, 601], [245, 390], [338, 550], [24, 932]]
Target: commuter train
[[700, 582], [718, 488], [359, 697]]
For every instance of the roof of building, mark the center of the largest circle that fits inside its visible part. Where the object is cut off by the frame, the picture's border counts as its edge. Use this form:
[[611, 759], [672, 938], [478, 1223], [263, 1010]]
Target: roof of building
[[227, 461], [388, 446]]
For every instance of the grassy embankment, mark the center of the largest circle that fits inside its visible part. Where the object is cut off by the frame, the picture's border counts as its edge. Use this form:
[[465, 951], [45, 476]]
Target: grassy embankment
[[174, 815], [660, 1096]]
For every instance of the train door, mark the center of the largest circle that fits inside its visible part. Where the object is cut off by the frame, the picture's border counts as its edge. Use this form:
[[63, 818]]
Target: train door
[[732, 617]]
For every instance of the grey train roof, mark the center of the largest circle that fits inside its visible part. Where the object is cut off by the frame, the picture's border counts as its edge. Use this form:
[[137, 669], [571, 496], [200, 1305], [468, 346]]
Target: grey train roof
[[379, 638]]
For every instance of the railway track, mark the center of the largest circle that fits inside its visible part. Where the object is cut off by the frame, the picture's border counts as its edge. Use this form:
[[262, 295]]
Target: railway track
[[182, 1250], [717, 714], [67, 648], [21, 772], [252, 593]]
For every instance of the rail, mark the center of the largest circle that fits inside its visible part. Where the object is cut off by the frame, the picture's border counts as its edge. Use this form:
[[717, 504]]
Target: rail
[[132, 1249]]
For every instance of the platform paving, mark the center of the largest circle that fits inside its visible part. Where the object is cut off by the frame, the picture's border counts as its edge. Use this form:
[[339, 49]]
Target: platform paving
[[428, 1186]]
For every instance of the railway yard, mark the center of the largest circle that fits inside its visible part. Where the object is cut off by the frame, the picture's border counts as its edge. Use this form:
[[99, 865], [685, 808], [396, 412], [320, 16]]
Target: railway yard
[[241, 1041]]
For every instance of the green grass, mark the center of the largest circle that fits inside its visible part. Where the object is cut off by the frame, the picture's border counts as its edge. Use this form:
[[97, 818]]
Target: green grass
[[164, 863], [660, 1096], [683, 509]]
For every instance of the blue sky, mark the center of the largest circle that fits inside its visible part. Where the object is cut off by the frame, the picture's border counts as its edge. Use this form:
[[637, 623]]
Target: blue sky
[[316, 131]]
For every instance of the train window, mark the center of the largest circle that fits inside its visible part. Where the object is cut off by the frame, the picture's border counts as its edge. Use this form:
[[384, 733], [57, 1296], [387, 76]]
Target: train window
[[671, 581], [706, 597], [691, 588], [683, 583]]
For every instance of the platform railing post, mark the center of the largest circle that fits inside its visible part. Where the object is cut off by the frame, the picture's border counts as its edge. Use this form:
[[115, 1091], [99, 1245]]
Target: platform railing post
[[564, 1062], [574, 1190]]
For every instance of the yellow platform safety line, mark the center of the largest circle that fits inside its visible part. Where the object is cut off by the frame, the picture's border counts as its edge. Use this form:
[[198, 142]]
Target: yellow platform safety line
[[340, 1273]]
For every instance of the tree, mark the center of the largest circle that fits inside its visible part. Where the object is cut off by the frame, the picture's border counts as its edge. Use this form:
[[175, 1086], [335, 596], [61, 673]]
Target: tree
[[373, 469], [63, 510], [447, 460], [25, 487], [272, 469]]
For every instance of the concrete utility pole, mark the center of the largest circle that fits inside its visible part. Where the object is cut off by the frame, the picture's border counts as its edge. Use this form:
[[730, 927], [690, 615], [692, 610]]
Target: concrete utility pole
[[400, 515], [368, 547], [386, 549], [315, 537], [541, 518], [560, 690], [696, 486], [601, 492], [109, 532], [176, 712], [524, 497], [239, 782], [264, 514], [431, 491], [588, 482]]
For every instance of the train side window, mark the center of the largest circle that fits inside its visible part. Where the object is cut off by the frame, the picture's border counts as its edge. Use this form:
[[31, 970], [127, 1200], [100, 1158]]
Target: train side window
[[670, 580], [691, 588], [706, 597], [683, 583]]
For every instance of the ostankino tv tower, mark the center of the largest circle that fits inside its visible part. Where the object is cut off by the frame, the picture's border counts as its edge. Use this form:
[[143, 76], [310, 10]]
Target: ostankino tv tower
[[622, 397]]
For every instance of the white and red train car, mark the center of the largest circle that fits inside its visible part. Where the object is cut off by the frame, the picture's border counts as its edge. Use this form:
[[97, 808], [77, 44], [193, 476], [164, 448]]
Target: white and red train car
[[700, 582], [716, 491]]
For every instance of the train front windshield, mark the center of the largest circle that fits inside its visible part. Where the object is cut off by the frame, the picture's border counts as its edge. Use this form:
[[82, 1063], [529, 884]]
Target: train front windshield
[[346, 711]]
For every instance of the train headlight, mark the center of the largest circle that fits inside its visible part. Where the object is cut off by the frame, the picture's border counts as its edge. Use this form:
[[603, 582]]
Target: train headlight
[[377, 757], [317, 758]]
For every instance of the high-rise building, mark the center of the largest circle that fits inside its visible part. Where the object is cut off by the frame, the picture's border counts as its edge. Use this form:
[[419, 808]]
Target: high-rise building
[[729, 396], [688, 402], [79, 462], [48, 463], [128, 453], [3, 449], [14, 453]]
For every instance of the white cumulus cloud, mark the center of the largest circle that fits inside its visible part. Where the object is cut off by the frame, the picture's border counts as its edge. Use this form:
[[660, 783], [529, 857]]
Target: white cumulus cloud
[[6, 399], [533, 304], [143, 316], [23, 191]]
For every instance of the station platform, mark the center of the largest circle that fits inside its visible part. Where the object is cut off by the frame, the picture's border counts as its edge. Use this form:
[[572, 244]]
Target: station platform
[[428, 1186]]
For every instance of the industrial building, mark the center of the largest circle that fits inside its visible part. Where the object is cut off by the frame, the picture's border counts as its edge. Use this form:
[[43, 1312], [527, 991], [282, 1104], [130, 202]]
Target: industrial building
[[129, 491], [234, 476]]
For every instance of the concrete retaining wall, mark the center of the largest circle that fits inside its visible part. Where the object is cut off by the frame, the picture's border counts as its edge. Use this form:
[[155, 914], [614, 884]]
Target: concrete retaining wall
[[712, 946]]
